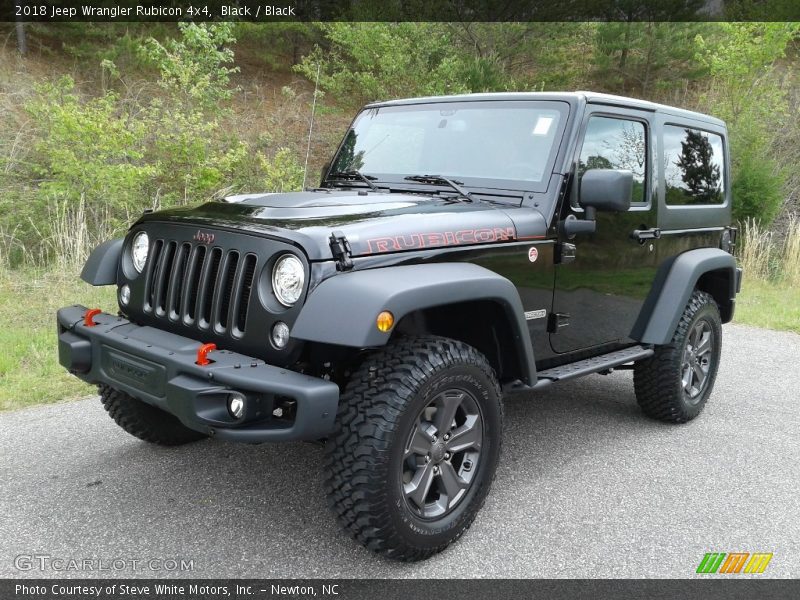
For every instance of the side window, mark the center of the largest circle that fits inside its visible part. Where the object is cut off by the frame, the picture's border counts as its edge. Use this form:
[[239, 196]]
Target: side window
[[694, 166], [616, 144]]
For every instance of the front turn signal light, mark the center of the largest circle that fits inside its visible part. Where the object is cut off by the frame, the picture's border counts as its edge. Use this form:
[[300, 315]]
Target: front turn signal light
[[385, 321]]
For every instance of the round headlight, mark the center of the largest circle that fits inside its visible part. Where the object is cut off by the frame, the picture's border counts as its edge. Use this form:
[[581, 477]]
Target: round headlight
[[288, 278], [139, 249]]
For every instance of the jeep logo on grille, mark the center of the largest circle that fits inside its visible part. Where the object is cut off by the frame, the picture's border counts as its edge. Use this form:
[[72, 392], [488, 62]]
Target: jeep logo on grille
[[204, 237]]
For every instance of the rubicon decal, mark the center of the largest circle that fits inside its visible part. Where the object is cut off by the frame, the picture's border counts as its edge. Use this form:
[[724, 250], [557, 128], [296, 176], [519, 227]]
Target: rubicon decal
[[414, 241], [734, 563]]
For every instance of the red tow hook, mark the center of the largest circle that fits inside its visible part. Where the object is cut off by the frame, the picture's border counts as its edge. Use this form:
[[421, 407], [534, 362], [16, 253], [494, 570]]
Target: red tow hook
[[202, 354], [88, 318]]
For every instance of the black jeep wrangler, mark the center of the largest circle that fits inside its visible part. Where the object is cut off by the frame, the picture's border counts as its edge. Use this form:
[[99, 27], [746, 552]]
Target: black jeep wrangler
[[457, 247]]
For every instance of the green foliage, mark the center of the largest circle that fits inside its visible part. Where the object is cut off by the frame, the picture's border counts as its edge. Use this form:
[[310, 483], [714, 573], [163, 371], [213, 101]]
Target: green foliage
[[279, 45], [86, 149], [194, 66], [757, 185], [151, 122], [749, 95], [110, 156], [647, 58], [283, 173], [372, 61]]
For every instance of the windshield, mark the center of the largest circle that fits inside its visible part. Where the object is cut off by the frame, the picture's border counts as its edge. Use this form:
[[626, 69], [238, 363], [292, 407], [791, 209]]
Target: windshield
[[492, 144]]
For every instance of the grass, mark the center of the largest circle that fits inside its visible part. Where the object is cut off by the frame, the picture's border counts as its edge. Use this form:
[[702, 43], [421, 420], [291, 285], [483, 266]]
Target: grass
[[769, 305], [29, 369], [770, 295]]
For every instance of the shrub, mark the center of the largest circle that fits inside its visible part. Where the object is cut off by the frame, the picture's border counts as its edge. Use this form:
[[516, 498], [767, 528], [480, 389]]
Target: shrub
[[103, 160]]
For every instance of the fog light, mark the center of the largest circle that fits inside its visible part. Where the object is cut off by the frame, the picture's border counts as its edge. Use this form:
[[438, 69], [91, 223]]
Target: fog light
[[236, 405], [125, 294], [280, 335]]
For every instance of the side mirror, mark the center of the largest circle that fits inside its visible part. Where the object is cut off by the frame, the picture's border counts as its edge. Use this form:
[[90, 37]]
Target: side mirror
[[606, 190], [601, 189]]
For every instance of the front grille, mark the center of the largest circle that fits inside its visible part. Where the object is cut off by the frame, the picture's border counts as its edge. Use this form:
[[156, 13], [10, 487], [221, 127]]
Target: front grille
[[201, 287]]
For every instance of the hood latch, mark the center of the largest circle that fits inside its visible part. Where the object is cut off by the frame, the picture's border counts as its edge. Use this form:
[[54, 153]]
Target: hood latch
[[340, 248]]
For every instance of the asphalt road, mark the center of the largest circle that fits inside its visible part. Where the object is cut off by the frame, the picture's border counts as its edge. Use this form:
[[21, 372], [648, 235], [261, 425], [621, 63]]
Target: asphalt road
[[587, 487]]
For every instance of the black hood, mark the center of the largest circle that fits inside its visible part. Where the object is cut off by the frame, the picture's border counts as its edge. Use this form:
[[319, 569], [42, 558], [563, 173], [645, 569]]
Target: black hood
[[373, 223]]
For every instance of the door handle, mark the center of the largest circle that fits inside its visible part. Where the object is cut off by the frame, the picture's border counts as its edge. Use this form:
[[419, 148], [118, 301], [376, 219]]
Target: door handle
[[640, 235]]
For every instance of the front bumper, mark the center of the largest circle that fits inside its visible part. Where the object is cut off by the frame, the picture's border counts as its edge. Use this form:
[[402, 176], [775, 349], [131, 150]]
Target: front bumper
[[159, 368]]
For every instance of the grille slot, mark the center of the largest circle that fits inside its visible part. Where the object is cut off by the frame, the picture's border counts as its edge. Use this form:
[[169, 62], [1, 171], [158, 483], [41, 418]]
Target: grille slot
[[162, 279], [199, 286], [242, 301], [193, 278], [208, 283], [226, 289], [153, 265], [177, 281]]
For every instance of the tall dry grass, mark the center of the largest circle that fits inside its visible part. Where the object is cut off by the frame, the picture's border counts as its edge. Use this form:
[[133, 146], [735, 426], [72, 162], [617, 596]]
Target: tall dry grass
[[791, 254], [763, 258], [756, 249]]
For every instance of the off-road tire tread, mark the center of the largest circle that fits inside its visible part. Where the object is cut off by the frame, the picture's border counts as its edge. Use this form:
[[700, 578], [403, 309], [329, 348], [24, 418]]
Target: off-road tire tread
[[657, 392], [146, 422], [369, 410]]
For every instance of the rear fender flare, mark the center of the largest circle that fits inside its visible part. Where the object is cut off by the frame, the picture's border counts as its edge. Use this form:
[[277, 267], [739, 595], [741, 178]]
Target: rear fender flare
[[674, 283]]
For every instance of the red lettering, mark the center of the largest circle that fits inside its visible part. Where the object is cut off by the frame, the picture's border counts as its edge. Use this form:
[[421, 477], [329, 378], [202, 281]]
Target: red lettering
[[379, 245], [433, 239], [465, 237], [506, 233]]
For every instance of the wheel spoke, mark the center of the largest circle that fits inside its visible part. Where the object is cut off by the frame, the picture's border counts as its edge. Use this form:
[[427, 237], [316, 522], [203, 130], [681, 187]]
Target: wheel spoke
[[704, 347], [446, 411], [686, 380], [452, 483], [700, 375], [420, 443], [467, 436], [417, 489], [696, 335]]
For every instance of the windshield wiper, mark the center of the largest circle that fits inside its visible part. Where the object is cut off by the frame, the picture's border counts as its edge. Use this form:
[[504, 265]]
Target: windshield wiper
[[439, 180], [351, 174]]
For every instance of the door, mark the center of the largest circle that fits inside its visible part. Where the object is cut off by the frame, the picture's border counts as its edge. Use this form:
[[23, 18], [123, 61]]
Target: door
[[598, 294]]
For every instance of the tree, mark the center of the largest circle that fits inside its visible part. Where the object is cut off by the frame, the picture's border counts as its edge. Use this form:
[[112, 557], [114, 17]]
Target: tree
[[749, 94], [698, 170]]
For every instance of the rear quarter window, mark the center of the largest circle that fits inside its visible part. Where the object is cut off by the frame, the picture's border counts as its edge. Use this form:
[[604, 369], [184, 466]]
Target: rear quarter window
[[694, 166]]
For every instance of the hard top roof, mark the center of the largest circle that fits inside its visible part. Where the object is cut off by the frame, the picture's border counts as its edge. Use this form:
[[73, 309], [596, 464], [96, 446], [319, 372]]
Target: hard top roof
[[572, 97]]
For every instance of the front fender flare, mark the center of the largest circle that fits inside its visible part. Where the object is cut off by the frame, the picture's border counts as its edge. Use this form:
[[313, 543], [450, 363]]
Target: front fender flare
[[674, 284], [342, 309], [101, 266]]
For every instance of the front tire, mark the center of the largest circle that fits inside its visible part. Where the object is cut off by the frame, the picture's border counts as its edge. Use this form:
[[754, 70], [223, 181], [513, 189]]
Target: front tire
[[145, 422], [415, 448], [674, 384]]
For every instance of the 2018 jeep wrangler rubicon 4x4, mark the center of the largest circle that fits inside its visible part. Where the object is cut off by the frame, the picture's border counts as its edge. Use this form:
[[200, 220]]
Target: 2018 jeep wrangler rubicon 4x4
[[457, 247]]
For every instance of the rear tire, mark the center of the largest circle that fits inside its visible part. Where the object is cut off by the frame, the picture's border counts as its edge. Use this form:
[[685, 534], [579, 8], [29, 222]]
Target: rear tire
[[674, 384], [144, 421], [415, 448]]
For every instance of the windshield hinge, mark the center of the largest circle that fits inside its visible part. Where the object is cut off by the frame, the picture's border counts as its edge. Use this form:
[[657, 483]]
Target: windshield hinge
[[340, 248]]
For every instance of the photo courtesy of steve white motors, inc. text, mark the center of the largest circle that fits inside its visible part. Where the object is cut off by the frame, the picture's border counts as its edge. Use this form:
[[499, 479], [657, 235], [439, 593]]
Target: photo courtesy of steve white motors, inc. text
[[141, 590]]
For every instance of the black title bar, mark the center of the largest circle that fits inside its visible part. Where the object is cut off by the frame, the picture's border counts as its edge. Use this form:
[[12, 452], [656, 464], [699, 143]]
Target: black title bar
[[399, 10]]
